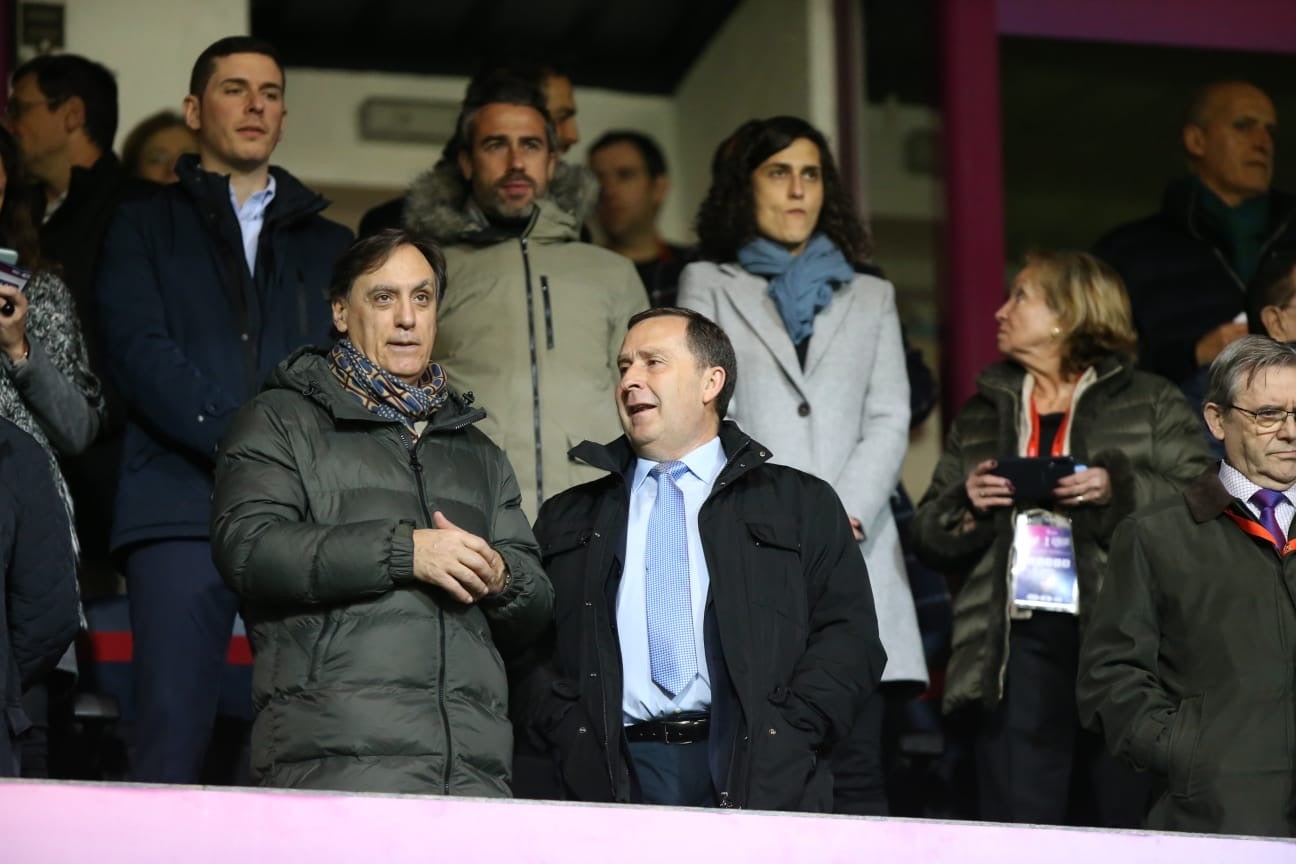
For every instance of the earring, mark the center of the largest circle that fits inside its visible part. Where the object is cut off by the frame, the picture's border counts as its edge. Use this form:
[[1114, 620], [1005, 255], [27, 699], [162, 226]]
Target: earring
[[1057, 331]]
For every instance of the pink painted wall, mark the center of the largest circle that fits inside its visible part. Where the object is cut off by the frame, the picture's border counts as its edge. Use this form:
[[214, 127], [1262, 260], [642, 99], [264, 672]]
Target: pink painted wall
[[107, 824]]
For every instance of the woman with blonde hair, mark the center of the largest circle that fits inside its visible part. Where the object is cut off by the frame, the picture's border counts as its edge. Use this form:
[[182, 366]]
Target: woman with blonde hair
[[1062, 439]]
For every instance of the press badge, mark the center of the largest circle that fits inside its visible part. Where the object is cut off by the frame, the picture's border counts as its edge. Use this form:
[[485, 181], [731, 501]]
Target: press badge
[[1041, 566]]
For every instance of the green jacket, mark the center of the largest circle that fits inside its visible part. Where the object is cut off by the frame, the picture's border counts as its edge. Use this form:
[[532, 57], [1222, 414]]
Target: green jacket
[[531, 326], [366, 679], [1135, 425], [1187, 668]]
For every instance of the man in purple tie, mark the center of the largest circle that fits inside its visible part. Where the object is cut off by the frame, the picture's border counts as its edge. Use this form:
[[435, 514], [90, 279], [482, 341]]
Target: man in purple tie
[[1187, 667], [714, 621]]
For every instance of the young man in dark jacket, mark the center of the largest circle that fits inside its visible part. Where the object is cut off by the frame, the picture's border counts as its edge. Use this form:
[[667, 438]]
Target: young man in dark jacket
[[38, 594], [715, 625], [203, 289]]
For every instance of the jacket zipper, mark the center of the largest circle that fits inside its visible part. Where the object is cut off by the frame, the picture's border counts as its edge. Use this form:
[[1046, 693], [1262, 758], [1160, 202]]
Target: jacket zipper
[[535, 370], [603, 702], [441, 662], [544, 293], [1007, 630], [729, 799]]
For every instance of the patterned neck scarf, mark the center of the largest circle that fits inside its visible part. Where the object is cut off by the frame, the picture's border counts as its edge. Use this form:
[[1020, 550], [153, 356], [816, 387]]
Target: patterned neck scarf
[[382, 392]]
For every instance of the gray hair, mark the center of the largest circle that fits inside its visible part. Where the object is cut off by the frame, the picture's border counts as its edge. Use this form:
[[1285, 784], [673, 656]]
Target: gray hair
[[1239, 364]]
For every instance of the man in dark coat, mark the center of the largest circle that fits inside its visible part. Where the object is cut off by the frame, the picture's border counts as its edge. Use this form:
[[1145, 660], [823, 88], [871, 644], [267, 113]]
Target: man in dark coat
[[38, 594], [203, 288], [1186, 667], [377, 540], [715, 625], [1187, 267]]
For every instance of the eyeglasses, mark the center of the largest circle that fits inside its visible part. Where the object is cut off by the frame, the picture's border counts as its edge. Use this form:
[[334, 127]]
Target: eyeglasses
[[1266, 419], [15, 108]]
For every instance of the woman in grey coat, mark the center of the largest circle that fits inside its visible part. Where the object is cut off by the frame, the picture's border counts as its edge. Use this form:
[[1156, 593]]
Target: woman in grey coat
[[823, 379]]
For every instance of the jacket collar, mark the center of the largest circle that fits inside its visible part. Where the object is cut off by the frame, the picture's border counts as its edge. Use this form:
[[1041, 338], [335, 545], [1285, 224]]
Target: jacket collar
[[1181, 206], [292, 199], [1005, 377], [1206, 496], [618, 457], [748, 295], [435, 205], [306, 371]]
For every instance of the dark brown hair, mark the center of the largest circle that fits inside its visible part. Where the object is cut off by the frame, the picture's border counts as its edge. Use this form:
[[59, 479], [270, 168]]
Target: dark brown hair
[[726, 221]]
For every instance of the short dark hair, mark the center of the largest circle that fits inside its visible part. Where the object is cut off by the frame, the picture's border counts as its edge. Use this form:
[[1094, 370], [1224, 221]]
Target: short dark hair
[[1272, 285], [709, 344], [499, 86], [654, 159], [369, 253], [62, 76], [205, 66], [726, 221]]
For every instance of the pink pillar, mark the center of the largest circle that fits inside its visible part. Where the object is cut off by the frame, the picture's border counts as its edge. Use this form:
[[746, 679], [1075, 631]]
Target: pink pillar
[[972, 277]]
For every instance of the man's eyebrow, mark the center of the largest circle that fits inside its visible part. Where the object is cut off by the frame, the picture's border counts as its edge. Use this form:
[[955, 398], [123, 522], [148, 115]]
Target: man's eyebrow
[[384, 286]]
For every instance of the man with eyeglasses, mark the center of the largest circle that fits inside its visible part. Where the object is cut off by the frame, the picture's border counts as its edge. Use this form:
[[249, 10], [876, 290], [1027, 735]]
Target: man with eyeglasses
[[1187, 664], [62, 111]]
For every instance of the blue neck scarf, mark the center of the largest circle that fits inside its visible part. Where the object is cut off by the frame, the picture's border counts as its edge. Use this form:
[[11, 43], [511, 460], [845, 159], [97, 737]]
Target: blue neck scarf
[[802, 284]]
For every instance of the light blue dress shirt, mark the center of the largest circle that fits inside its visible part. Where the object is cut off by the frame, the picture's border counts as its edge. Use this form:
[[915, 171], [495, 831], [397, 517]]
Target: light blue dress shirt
[[251, 216], [1241, 488], [641, 699]]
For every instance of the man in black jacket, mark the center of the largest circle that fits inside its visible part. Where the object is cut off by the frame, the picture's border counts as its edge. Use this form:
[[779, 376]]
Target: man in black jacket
[[715, 625], [1188, 266], [203, 289], [38, 595]]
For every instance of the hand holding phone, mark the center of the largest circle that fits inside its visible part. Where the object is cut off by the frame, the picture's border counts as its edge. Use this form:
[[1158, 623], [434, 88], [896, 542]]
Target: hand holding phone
[[1034, 478], [985, 489]]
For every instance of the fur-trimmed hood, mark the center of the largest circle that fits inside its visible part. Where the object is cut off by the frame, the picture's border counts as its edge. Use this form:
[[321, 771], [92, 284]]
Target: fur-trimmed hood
[[434, 204]]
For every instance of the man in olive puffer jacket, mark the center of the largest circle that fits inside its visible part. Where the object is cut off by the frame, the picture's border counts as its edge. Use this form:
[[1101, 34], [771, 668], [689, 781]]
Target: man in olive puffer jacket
[[377, 542]]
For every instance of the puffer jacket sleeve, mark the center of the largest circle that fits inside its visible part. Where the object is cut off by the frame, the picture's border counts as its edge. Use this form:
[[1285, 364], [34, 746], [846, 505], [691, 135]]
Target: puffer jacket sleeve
[[1178, 456], [1118, 691], [262, 544], [525, 608], [41, 590], [947, 533]]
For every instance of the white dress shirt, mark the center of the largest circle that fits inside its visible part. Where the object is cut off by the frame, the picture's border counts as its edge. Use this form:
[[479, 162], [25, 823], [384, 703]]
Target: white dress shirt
[[251, 216], [1241, 488], [641, 698]]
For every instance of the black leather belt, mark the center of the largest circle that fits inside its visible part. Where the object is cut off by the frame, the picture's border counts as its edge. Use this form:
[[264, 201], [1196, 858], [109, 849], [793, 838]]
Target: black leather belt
[[684, 729]]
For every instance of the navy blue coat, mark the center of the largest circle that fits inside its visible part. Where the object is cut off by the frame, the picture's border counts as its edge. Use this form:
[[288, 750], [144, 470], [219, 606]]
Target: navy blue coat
[[191, 334], [38, 603]]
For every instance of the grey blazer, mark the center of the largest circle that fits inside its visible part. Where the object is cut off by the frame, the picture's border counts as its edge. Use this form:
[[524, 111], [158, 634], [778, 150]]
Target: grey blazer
[[845, 418]]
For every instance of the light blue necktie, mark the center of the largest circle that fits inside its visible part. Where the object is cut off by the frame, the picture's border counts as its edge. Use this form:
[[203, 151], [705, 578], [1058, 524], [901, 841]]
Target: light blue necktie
[[671, 651]]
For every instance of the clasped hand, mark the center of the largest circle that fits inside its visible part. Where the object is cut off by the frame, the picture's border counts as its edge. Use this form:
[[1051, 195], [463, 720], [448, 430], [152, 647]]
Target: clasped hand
[[459, 562]]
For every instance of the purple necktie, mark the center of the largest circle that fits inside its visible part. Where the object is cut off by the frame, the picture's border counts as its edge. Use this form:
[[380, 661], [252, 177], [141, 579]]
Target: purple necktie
[[1268, 500]]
